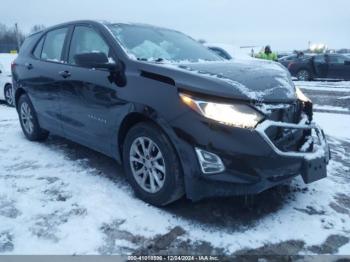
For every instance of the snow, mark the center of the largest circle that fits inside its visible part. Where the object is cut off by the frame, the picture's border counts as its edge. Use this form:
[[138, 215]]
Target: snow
[[256, 95], [342, 86], [335, 125], [283, 85], [6, 61], [34, 176], [232, 50], [344, 97], [152, 51], [331, 108], [307, 144]]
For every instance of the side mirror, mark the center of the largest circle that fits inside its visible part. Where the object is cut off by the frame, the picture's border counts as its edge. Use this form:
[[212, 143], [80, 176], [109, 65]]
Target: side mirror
[[347, 62], [94, 60]]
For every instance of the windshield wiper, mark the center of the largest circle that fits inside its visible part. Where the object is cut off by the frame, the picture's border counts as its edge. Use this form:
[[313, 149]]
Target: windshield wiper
[[159, 60], [153, 60]]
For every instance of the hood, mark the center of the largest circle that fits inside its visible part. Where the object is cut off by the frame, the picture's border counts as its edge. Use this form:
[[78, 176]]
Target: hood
[[253, 80]]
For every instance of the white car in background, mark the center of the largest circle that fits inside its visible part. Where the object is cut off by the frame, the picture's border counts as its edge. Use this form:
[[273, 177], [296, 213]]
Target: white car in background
[[6, 78], [228, 51]]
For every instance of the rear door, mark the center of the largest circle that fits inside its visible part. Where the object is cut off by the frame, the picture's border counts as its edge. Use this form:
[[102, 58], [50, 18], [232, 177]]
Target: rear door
[[42, 76], [320, 66], [338, 67], [89, 100]]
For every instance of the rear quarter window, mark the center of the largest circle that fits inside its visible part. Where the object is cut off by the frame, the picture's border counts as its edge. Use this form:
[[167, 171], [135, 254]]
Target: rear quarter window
[[39, 48], [28, 44]]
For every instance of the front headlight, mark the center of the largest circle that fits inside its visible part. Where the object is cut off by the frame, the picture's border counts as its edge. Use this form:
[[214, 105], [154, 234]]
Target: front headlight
[[301, 96], [238, 115]]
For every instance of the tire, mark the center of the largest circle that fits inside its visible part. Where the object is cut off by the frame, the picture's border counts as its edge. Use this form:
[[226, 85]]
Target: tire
[[159, 162], [304, 75], [8, 95], [29, 121]]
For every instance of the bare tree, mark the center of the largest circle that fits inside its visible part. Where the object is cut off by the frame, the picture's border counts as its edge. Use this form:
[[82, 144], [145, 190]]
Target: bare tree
[[10, 38], [37, 28]]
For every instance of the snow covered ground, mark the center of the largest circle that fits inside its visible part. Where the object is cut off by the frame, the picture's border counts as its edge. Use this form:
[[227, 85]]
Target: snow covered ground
[[336, 86], [58, 197]]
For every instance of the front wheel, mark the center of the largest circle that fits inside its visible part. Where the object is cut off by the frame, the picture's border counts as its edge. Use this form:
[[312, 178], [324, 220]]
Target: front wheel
[[9, 95], [29, 121], [152, 166], [304, 75]]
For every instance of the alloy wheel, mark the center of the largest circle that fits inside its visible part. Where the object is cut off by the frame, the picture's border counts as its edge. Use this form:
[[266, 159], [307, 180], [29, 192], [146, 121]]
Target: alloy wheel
[[303, 75], [27, 118], [8, 95], [147, 164]]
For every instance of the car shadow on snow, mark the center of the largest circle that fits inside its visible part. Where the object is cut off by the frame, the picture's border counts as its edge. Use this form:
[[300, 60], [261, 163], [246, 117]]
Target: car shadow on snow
[[231, 213], [3, 103], [235, 213]]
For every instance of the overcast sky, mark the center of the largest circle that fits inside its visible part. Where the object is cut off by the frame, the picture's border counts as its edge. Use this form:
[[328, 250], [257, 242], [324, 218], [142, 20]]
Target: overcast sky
[[284, 24]]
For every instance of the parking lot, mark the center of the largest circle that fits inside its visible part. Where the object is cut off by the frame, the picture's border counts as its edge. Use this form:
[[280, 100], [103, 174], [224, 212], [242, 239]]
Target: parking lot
[[58, 197]]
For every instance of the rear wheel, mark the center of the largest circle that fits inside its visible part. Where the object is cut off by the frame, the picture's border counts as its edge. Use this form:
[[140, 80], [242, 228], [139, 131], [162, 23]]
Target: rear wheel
[[152, 166], [9, 95], [304, 75], [29, 121]]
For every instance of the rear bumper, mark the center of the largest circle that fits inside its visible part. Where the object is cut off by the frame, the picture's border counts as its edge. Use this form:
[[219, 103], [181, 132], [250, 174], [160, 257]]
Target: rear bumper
[[253, 162]]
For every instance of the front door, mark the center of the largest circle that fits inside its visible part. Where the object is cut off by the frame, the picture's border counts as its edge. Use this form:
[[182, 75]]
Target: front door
[[320, 66], [89, 99]]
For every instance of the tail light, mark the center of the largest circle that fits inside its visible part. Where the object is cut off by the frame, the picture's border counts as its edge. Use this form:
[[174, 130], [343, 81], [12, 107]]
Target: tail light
[[13, 66]]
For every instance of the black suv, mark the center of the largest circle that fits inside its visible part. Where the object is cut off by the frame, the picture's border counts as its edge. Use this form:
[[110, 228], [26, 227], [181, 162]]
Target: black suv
[[180, 119], [321, 67]]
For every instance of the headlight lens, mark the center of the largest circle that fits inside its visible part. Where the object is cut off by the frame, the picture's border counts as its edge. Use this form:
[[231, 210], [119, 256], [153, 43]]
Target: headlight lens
[[238, 115], [301, 96]]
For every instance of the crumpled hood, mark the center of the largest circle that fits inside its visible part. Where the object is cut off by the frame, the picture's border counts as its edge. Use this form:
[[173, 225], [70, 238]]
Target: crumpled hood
[[257, 80]]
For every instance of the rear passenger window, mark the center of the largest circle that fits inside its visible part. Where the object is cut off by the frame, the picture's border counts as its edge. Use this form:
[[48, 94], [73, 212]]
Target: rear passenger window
[[53, 45], [87, 40], [336, 59], [39, 48]]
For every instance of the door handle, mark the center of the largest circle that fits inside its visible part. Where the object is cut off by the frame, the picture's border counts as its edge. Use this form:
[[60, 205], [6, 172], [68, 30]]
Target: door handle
[[65, 74], [29, 66]]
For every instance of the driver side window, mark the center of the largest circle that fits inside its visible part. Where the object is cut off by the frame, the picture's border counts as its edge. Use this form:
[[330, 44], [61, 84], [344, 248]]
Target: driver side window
[[320, 59], [87, 40]]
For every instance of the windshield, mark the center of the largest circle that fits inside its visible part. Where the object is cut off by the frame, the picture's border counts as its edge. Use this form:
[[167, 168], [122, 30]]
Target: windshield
[[157, 44]]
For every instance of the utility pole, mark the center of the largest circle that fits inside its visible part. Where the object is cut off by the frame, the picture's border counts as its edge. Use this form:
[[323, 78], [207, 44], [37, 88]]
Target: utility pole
[[17, 37]]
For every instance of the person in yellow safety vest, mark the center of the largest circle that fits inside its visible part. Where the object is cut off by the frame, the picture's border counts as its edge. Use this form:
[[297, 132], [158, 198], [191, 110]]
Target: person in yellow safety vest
[[267, 54]]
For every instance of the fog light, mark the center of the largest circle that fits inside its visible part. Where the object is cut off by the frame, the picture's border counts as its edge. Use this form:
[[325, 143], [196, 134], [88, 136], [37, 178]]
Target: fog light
[[209, 162]]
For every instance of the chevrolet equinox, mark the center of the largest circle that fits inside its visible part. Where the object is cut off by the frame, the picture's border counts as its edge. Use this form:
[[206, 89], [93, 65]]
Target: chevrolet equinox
[[180, 119]]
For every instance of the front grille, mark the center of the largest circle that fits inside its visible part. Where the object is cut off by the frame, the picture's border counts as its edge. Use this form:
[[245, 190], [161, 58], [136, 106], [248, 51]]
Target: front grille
[[288, 113], [285, 139]]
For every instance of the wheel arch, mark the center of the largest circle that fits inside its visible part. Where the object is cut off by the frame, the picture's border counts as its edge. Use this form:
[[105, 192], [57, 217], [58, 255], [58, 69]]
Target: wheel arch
[[134, 118], [19, 92]]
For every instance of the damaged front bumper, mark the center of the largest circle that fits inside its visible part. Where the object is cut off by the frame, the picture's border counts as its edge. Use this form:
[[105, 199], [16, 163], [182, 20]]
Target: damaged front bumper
[[314, 153], [253, 162]]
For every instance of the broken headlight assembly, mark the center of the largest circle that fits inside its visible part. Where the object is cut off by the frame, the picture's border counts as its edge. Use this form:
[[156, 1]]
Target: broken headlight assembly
[[301, 96], [307, 103]]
